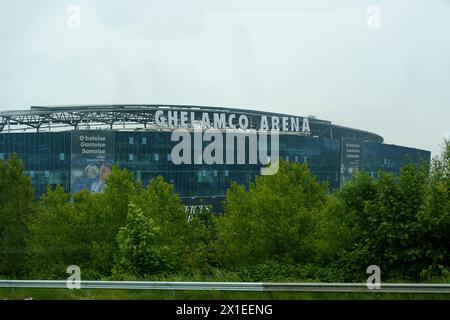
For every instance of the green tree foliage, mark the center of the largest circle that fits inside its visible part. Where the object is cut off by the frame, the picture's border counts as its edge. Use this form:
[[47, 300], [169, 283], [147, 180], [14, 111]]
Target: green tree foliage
[[16, 205], [83, 229], [201, 254], [142, 249], [171, 244], [79, 230], [160, 208], [440, 166], [107, 214], [58, 236], [285, 226], [435, 216], [333, 235], [388, 222], [160, 202], [275, 219]]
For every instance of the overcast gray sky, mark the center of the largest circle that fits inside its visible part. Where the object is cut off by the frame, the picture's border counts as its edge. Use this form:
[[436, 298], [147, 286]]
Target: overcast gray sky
[[314, 57]]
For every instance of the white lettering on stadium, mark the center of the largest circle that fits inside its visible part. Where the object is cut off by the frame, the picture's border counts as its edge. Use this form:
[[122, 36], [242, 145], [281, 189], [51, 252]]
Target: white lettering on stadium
[[92, 138], [93, 151], [215, 120], [92, 144]]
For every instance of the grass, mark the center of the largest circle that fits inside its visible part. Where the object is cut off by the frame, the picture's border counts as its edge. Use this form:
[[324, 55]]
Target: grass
[[100, 294]]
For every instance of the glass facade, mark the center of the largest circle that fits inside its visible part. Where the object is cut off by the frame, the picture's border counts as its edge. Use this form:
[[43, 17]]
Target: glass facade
[[150, 155], [45, 156], [47, 160], [390, 158]]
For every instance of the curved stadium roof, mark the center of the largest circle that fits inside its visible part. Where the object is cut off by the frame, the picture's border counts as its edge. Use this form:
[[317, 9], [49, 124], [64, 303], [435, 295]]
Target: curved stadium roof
[[59, 118]]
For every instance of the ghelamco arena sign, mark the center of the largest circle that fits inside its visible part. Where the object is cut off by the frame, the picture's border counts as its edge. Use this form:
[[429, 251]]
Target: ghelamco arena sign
[[216, 120]]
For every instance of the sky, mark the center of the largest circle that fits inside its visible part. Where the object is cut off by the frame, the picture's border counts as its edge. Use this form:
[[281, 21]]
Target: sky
[[387, 72]]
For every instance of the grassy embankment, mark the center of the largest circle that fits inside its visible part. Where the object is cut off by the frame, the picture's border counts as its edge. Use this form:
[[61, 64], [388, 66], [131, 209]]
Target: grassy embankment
[[93, 294]]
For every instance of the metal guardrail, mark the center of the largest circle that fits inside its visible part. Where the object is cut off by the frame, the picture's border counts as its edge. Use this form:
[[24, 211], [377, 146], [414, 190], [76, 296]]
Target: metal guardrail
[[359, 287], [231, 286], [135, 285]]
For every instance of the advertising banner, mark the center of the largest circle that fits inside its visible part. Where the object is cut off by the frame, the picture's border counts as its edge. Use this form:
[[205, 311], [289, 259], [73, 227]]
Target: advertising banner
[[92, 159], [351, 158]]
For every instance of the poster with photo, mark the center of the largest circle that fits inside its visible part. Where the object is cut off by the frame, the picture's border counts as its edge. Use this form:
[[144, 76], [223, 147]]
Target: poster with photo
[[351, 158], [92, 159]]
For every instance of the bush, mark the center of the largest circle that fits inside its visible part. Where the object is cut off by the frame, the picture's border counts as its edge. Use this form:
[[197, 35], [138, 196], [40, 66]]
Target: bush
[[275, 220]]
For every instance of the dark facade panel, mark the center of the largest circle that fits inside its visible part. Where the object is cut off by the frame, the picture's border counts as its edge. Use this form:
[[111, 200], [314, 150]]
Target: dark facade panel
[[46, 157], [391, 158]]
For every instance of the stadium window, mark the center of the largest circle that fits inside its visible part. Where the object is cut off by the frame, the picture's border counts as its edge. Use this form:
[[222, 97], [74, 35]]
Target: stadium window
[[31, 173], [287, 158], [2, 156], [296, 158], [215, 173], [130, 157], [169, 157], [204, 173], [61, 156], [226, 173], [156, 157], [305, 159], [46, 173], [130, 140], [144, 140]]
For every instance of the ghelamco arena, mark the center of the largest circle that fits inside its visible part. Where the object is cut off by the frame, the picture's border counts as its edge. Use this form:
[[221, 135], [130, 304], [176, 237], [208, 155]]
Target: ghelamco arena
[[200, 149]]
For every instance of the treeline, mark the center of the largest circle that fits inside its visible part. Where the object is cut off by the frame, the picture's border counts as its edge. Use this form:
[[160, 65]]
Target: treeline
[[285, 227]]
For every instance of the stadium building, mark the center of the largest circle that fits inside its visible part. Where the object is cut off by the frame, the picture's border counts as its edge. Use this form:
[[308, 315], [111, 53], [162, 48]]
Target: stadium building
[[75, 147]]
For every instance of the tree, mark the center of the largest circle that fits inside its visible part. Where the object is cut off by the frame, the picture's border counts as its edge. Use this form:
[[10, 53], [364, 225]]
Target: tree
[[440, 165], [435, 216], [16, 205], [201, 253], [274, 220], [107, 215], [383, 218], [79, 229], [157, 236], [141, 247], [58, 237]]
